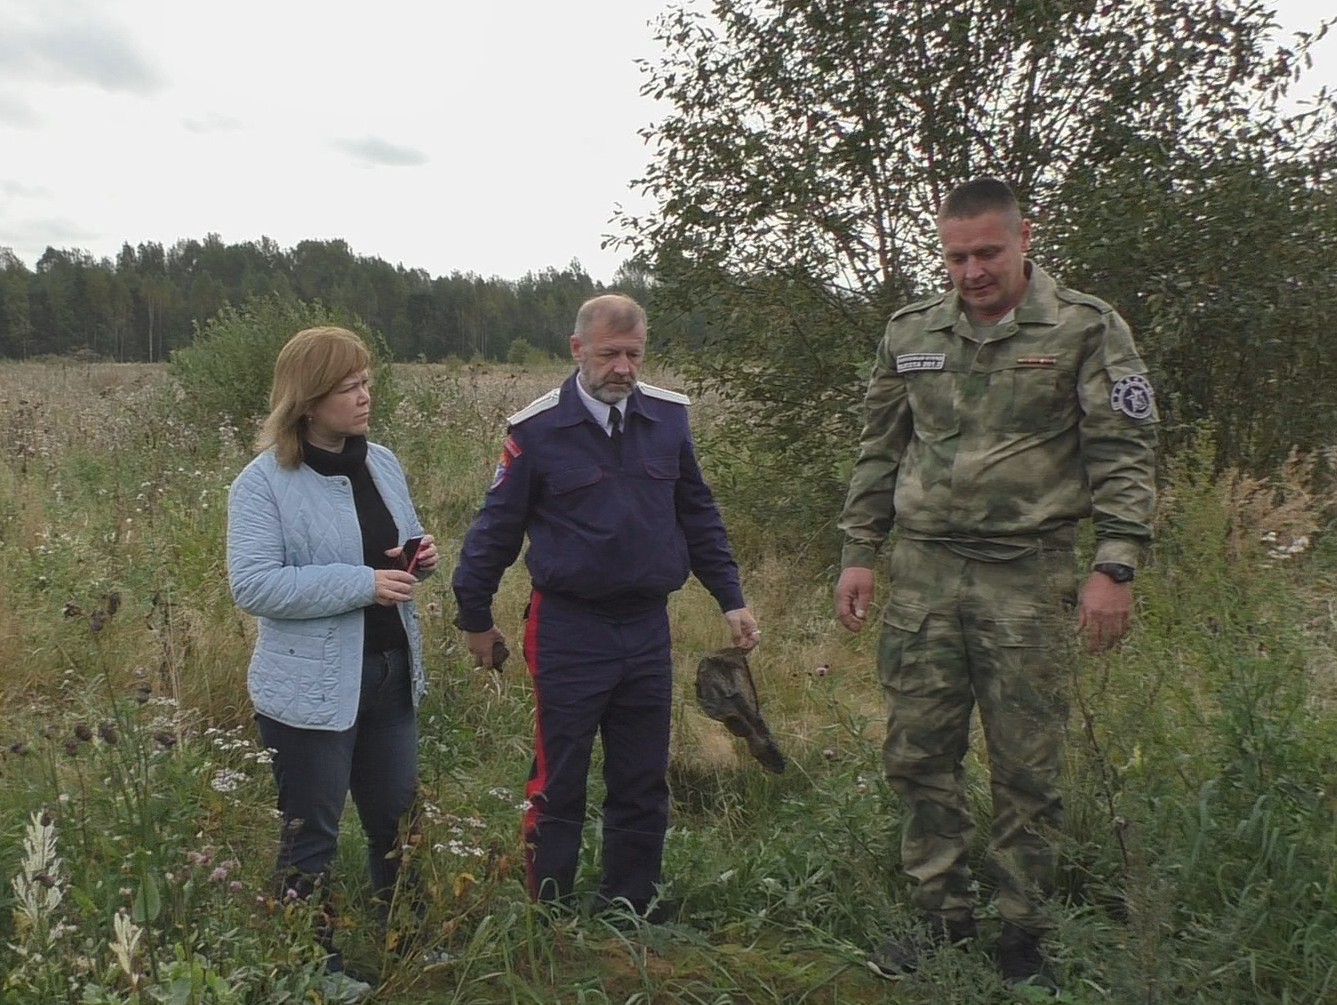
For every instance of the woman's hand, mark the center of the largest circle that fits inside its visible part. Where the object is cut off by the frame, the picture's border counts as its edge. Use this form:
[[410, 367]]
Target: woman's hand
[[426, 557], [394, 586]]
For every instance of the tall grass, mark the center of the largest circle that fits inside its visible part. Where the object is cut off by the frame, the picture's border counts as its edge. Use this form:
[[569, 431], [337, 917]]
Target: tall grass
[[136, 821]]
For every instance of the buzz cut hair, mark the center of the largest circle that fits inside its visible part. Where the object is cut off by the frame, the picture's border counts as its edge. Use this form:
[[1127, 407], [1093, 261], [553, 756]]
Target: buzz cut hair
[[617, 311], [978, 196]]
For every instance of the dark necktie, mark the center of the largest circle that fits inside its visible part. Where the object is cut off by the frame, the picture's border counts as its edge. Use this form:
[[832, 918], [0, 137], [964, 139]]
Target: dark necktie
[[615, 423]]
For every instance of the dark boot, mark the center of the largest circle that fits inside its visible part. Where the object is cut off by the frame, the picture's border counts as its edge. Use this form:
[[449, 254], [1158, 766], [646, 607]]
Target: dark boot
[[900, 957], [1022, 962]]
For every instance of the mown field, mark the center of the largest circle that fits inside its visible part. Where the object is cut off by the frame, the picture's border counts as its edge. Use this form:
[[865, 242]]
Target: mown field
[[136, 809]]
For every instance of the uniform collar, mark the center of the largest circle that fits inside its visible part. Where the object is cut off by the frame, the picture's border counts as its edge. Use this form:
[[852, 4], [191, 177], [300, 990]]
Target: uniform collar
[[1039, 304], [572, 408]]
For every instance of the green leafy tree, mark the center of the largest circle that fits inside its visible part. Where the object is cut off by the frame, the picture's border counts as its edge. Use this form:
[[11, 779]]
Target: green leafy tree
[[227, 371], [807, 146]]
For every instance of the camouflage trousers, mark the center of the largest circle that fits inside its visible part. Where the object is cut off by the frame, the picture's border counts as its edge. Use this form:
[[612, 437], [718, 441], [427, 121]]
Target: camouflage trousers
[[960, 632]]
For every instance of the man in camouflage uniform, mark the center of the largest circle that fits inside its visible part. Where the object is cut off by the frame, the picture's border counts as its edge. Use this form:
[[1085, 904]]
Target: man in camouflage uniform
[[998, 415]]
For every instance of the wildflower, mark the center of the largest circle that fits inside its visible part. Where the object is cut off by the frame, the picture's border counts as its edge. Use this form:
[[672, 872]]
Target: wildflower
[[165, 739], [37, 887], [71, 747], [218, 875], [83, 732], [125, 943], [227, 780], [108, 733], [235, 886]]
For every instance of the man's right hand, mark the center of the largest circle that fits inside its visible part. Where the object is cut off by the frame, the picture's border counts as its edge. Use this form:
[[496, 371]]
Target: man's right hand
[[854, 595], [480, 645]]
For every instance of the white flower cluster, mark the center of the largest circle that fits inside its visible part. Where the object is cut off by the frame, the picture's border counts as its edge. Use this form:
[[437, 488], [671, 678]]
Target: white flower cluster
[[227, 780], [1276, 549]]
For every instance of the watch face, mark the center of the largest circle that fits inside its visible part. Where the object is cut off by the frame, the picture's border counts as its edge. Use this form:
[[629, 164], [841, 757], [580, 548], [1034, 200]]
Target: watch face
[[1117, 572]]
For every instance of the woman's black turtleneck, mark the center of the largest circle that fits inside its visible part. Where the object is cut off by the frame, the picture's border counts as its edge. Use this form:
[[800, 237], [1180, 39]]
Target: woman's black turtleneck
[[384, 628]]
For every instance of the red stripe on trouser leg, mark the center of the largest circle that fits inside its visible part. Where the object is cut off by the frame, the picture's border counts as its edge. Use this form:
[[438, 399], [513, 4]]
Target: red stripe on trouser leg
[[537, 783]]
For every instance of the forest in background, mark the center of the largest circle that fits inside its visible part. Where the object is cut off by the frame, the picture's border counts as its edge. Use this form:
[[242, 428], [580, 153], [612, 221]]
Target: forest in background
[[148, 302]]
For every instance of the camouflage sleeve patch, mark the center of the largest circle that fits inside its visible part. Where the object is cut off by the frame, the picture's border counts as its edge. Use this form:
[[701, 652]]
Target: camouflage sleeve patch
[[1133, 396]]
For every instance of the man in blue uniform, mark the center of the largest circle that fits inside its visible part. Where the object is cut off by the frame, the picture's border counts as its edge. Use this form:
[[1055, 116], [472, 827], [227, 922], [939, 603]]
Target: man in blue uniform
[[602, 475]]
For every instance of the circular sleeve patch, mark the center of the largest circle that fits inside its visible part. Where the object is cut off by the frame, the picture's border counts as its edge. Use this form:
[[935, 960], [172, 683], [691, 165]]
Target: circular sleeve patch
[[1131, 396]]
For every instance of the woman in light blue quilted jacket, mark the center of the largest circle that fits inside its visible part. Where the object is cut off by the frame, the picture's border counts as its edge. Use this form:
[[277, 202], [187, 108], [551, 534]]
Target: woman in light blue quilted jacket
[[317, 527]]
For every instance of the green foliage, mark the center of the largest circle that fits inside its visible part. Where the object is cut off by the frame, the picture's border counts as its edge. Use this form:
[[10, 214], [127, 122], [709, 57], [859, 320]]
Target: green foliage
[[1218, 255], [143, 899], [521, 353], [1195, 856], [797, 174], [227, 372]]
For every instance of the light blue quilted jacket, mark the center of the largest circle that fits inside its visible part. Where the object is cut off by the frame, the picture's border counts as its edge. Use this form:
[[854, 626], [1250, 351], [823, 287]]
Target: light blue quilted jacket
[[294, 558]]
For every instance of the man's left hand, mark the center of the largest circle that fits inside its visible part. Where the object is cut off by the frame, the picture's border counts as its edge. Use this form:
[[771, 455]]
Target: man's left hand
[[743, 625], [1105, 612]]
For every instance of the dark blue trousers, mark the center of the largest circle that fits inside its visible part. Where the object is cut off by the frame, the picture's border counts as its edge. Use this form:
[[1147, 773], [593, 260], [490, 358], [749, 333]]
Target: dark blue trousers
[[376, 760], [598, 673]]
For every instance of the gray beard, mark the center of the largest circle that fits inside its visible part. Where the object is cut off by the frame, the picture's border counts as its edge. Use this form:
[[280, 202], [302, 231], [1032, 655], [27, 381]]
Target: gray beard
[[606, 394]]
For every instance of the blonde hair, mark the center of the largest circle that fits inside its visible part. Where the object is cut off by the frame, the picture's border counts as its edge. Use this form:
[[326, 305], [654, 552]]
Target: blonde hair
[[310, 365]]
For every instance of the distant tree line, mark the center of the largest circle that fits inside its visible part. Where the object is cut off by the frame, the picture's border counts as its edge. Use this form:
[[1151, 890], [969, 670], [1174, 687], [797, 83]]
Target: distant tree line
[[149, 300]]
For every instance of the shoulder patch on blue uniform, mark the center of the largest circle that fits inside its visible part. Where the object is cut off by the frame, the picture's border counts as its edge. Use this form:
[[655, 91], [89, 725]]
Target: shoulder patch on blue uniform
[[920, 305], [539, 404], [665, 394]]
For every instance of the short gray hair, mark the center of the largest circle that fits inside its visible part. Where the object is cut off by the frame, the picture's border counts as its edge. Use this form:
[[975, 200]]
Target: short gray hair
[[616, 310]]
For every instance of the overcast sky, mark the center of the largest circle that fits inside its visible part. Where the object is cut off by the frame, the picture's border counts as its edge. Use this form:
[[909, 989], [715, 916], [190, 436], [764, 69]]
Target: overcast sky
[[487, 137]]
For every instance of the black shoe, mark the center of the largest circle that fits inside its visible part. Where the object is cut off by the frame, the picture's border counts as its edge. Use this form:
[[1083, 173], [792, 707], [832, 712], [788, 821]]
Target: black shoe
[[901, 957], [1022, 962]]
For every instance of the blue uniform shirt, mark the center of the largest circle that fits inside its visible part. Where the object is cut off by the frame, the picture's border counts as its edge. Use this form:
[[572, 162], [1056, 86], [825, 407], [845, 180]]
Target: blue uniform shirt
[[616, 534]]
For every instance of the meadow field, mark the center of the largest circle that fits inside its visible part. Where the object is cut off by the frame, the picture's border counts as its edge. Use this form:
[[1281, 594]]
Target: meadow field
[[137, 822]]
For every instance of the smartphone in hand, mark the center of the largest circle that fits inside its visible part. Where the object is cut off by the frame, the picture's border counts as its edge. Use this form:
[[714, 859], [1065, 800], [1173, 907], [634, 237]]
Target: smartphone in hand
[[409, 556]]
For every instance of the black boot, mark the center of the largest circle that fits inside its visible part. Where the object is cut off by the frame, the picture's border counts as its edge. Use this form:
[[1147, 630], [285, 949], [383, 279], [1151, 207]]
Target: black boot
[[900, 957], [1022, 962]]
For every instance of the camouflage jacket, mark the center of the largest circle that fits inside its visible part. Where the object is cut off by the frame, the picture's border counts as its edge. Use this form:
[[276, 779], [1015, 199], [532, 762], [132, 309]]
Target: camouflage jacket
[[1048, 421]]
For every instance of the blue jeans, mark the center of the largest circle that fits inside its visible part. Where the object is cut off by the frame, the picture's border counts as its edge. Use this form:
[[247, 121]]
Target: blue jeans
[[376, 760]]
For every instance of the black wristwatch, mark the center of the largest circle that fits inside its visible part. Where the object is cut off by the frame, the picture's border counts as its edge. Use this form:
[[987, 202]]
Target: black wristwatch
[[1117, 571]]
